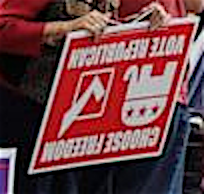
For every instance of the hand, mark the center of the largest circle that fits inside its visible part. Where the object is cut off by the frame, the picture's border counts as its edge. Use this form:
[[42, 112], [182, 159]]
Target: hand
[[159, 15], [94, 22]]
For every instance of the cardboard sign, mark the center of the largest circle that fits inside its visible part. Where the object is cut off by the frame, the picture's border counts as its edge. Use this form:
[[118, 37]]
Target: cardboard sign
[[7, 170], [113, 99]]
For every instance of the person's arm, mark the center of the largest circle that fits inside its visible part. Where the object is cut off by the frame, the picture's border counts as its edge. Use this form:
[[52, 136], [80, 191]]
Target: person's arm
[[20, 35], [94, 22], [195, 6]]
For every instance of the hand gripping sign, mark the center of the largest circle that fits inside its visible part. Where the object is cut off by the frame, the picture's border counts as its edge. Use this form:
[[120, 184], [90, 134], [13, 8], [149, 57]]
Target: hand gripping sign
[[113, 99]]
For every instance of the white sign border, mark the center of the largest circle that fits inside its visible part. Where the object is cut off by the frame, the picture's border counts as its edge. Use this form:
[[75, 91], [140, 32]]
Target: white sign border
[[83, 34], [10, 154]]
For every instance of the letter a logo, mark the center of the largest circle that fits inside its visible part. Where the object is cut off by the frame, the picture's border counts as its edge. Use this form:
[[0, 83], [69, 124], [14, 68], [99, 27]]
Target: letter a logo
[[90, 98]]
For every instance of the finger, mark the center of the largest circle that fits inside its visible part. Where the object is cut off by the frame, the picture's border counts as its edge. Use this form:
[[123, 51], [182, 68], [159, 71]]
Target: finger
[[97, 19], [160, 9], [96, 37], [156, 7], [155, 26], [108, 15], [105, 17], [156, 23], [151, 6], [156, 19], [108, 20], [153, 18], [96, 23], [114, 22], [92, 29], [131, 17]]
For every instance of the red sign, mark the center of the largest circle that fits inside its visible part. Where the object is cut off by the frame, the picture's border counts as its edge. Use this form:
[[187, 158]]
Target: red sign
[[113, 99]]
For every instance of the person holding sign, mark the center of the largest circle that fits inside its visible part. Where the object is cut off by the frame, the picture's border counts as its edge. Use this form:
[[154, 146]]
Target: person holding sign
[[30, 36], [163, 175]]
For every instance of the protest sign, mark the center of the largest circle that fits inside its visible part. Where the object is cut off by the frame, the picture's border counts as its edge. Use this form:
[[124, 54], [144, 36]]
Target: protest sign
[[113, 99]]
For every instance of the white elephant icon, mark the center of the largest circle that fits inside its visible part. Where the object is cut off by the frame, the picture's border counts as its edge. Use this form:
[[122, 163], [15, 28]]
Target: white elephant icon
[[147, 94]]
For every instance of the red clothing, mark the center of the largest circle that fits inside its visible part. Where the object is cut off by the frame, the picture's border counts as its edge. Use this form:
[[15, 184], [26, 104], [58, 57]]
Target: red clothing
[[19, 34], [175, 7]]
